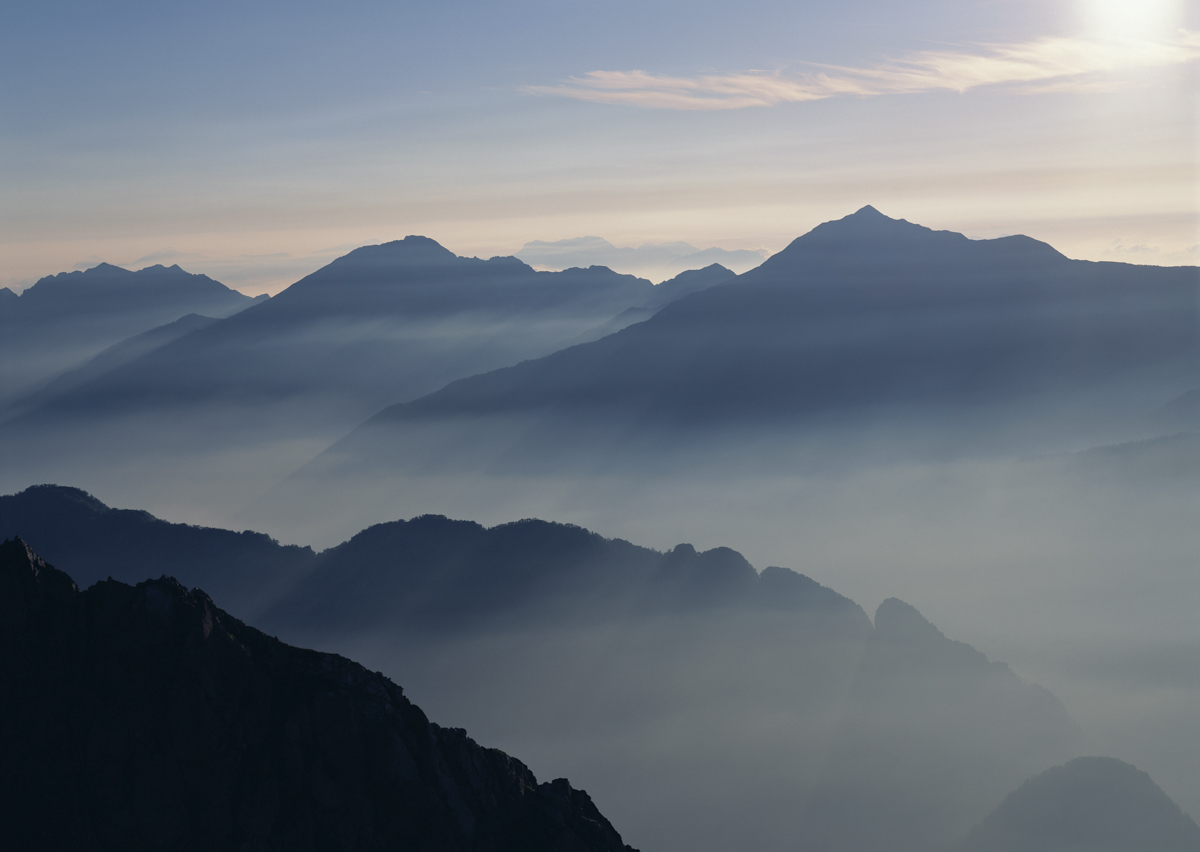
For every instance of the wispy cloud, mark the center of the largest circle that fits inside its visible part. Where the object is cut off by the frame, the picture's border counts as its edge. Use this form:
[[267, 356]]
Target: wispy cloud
[[1044, 64]]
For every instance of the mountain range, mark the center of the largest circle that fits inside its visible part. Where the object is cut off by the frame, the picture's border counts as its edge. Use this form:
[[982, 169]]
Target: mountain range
[[864, 317], [1006, 437], [274, 385], [830, 716]]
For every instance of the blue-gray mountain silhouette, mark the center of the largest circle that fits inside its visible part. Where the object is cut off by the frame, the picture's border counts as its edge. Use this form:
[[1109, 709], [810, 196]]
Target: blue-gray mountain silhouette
[[860, 317], [1098, 804], [144, 717], [426, 574], [65, 319], [382, 323]]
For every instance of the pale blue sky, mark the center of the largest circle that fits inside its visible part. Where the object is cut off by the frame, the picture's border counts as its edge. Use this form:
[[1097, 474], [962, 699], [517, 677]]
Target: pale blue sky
[[253, 141]]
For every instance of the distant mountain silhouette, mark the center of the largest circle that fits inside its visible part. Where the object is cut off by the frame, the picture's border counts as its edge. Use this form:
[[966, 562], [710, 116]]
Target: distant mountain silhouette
[[683, 284], [381, 324], [858, 319], [144, 717], [65, 319], [1097, 804], [655, 261], [933, 733], [387, 321]]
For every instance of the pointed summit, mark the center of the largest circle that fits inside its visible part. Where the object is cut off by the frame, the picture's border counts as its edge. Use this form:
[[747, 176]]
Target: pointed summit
[[413, 250], [869, 225]]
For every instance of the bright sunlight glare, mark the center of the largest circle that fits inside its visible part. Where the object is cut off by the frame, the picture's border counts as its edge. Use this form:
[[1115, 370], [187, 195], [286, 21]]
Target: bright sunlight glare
[[1122, 19]]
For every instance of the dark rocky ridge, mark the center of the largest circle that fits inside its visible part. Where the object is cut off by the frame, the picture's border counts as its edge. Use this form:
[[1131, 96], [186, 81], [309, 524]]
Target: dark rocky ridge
[[144, 717]]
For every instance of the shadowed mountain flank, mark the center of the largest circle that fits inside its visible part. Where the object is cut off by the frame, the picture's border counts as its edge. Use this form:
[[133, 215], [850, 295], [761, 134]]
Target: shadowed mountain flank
[[933, 734], [63, 320], [168, 724], [429, 573], [426, 574], [435, 575], [1097, 804], [73, 528], [110, 359]]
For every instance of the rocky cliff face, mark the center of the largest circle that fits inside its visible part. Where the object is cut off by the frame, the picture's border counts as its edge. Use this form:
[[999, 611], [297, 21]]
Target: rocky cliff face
[[144, 717]]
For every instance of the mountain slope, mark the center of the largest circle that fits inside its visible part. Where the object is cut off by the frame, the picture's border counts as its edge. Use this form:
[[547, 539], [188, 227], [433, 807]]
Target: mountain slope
[[1097, 804], [168, 724], [65, 319], [113, 357]]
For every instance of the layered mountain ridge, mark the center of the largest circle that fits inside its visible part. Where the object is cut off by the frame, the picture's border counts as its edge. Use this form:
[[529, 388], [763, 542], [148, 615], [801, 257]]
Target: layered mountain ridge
[[770, 670]]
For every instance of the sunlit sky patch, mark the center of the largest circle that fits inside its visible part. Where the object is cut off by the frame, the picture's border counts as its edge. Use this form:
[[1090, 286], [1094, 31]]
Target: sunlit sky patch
[[248, 141]]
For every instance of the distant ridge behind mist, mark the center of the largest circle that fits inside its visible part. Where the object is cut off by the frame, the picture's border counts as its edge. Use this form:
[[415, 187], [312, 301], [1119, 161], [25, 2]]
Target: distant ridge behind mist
[[1098, 804]]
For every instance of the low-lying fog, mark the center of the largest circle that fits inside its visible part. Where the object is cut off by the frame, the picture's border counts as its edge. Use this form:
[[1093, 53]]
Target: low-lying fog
[[1080, 576]]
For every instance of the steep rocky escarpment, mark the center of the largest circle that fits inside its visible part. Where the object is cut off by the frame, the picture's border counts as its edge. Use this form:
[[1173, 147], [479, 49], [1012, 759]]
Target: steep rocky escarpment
[[144, 717]]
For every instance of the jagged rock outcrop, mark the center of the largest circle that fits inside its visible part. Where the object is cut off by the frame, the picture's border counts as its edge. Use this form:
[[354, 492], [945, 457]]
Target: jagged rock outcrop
[[144, 717]]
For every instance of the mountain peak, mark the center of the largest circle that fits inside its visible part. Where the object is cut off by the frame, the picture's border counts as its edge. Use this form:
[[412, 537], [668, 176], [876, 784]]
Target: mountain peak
[[869, 225], [897, 620], [413, 250]]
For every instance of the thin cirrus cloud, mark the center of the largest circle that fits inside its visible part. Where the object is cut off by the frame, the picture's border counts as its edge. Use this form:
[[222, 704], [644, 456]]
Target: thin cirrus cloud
[[1048, 64]]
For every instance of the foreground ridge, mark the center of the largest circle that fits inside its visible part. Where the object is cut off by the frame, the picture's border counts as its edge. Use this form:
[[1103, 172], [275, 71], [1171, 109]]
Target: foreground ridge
[[144, 717]]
